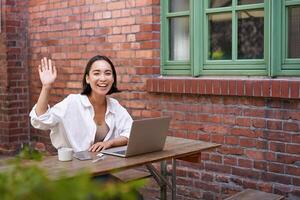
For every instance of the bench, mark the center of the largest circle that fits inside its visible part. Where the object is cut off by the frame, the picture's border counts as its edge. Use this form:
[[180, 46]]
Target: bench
[[250, 194], [130, 175]]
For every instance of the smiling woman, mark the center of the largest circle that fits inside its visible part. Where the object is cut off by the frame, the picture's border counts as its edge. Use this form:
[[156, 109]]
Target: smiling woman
[[87, 121]]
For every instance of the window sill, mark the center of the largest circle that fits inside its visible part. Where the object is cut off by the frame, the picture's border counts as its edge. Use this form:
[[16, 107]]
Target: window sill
[[287, 88]]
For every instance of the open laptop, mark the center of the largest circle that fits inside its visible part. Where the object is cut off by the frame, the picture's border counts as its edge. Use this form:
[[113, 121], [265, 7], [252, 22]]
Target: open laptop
[[147, 135]]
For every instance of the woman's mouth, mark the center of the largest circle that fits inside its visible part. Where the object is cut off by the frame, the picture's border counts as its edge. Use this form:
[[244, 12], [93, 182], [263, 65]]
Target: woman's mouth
[[103, 86]]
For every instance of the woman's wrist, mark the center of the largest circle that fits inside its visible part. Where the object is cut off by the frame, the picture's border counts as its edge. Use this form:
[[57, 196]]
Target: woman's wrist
[[110, 143], [47, 87]]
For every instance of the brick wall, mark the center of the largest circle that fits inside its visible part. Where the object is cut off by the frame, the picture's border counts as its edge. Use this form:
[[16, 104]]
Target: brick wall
[[14, 94], [256, 121], [71, 32]]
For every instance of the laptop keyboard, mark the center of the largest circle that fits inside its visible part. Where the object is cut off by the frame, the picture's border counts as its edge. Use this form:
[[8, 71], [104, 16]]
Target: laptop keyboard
[[120, 152]]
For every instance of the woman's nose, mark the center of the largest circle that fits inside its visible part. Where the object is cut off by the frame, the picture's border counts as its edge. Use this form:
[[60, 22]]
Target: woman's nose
[[102, 77]]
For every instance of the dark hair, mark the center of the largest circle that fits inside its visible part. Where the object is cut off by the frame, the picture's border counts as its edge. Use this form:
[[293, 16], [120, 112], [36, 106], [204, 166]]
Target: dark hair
[[86, 88]]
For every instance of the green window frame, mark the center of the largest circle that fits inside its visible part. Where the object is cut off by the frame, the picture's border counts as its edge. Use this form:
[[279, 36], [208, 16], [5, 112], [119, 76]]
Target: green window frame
[[275, 61]]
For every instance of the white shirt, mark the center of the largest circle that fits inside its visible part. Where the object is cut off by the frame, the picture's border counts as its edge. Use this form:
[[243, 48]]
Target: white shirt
[[71, 122]]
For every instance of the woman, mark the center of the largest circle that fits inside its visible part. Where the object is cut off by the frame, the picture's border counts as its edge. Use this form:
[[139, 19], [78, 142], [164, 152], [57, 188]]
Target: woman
[[87, 121]]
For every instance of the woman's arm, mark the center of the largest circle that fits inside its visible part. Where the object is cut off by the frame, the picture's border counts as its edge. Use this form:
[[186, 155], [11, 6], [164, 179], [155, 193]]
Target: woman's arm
[[119, 141], [47, 74]]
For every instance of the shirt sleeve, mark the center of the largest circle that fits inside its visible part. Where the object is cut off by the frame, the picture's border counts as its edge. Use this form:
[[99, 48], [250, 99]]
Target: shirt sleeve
[[51, 117], [124, 123]]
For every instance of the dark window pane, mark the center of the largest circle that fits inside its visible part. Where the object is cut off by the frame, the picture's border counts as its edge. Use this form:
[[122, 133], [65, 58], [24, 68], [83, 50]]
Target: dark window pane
[[220, 36], [179, 5], [179, 38], [243, 2], [294, 32], [251, 34], [219, 3]]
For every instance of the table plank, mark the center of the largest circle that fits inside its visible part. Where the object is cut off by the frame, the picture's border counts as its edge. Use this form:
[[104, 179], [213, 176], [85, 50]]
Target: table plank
[[174, 148]]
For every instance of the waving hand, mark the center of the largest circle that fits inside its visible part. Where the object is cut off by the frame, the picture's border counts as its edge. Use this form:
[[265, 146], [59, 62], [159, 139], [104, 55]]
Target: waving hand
[[47, 72]]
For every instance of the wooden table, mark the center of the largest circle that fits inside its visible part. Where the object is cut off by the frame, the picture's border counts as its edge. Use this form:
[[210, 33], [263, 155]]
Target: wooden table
[[175, 148]]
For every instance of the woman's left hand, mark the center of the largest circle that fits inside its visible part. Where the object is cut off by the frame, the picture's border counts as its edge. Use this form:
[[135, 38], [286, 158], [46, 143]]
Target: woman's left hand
[[100, 146]]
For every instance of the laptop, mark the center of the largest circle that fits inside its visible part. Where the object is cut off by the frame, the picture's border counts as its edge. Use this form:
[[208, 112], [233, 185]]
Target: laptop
[[147, 135]]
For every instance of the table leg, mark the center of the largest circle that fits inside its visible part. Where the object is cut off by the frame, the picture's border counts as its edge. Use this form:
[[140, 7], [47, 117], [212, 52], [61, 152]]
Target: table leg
[[163, 188], [173, 179]]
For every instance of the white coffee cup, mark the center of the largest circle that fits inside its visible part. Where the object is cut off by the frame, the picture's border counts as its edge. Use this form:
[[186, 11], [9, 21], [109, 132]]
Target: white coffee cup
[[65, 154]]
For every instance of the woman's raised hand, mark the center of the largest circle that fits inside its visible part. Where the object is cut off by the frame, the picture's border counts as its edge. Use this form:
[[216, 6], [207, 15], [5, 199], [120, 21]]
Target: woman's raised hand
[[47, 72]]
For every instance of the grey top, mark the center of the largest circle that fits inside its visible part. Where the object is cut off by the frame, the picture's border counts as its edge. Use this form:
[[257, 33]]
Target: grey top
[[101, 132]]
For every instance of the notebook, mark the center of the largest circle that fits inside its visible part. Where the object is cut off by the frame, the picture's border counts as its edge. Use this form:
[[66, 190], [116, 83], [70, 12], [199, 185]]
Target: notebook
[[147, 135]]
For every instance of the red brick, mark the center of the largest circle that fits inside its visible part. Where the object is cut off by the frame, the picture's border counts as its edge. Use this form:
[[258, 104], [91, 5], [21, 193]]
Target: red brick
[[142, 36], [248, 88], [275, 85], [217, 168], [293, 170], [245, 173], [272, 177], [243, 132], [284, 89], [266, 88], [296, 181], [125, 21], [294, 89], [216, 87], [230, 150], [216, 158], [253, 154], [208, 86], [257, 88], [167, 85], [243, 122], [261, 165], [245, 142], [293, 148], [188, 86], [240, 88], [258, 123], [276, 168], [224, 87], [274, 125], [265, 187], [173, 86], [296, 138], [217, 139], [194, 89], [290, 126], [231, 140], [277, 146], [287, 158], [249, 184], [116, 5], [245, 163], [232, 87], [277, 136], [230, 160]]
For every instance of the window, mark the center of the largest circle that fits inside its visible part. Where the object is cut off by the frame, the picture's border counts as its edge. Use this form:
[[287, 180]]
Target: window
[[230, 37]]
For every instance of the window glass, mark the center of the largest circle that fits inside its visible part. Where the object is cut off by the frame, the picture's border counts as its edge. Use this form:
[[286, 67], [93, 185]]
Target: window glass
[[219, 3], [294, 32], [220, 36], [179, 38], [243, 2], [251, 34], [179, 5]]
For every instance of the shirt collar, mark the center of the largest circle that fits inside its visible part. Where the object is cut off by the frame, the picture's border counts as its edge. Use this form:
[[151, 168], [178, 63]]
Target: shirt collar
[[86, 103]]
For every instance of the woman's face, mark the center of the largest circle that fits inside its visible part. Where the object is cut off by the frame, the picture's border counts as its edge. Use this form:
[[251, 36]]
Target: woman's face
[[100, 77]]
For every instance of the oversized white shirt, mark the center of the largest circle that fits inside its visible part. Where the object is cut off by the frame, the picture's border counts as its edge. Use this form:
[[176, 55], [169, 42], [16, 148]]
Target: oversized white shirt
[[71, 122]]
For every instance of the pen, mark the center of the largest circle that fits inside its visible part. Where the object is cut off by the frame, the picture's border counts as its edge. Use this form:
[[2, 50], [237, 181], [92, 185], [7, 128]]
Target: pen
[[101, 157], [97, 159]]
